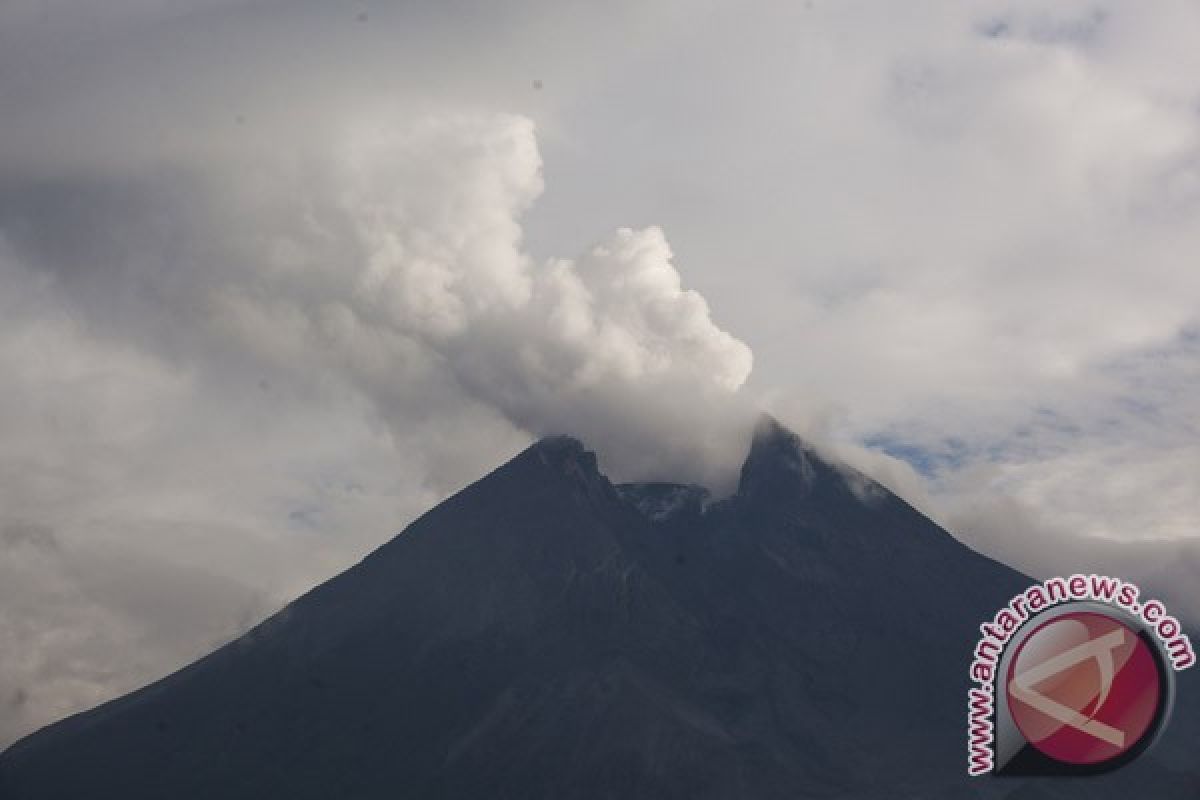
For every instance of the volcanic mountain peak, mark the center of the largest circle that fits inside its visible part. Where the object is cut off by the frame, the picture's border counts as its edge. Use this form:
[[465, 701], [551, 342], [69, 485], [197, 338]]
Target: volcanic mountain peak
[[544, 634], [558, 460], [783, 469], [565, 453], [778, 460], [776, 453]]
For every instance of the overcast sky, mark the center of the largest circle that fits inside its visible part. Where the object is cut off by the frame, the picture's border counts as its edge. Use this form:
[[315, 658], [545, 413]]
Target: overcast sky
[[275, 277]]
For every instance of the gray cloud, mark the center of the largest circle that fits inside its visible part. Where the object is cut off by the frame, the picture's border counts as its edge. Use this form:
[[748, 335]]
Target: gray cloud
[[28, 534], [18, 699]]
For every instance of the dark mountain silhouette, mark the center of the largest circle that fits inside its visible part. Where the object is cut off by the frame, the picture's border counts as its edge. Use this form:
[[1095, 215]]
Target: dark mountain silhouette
[[545, 634]]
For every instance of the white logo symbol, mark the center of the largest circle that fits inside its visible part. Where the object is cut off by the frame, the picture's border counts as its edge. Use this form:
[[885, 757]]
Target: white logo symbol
[[1101, 649]]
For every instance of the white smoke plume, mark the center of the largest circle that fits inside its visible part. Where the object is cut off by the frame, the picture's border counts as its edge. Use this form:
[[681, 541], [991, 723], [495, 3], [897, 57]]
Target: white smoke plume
[[255, 371], [426, 279], [392, 262]]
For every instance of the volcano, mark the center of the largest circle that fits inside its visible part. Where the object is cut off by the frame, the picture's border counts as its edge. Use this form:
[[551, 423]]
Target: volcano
[[545, 633]]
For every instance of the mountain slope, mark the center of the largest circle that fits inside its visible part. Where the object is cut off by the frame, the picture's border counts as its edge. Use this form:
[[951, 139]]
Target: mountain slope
[[546, 634]]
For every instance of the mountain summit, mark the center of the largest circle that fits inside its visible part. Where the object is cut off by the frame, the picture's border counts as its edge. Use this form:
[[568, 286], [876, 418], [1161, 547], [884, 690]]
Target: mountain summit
[[546, 634]]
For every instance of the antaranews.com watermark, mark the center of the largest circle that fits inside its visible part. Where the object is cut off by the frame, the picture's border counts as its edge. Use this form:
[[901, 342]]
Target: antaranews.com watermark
[[1052, 715]]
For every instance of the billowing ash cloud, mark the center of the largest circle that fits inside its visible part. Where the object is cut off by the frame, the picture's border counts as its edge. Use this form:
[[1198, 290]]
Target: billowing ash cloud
[[406, 267], [232, 377], [392, 262]]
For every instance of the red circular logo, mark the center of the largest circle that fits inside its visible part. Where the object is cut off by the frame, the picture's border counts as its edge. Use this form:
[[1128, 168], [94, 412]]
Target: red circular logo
[[1084, 688]]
